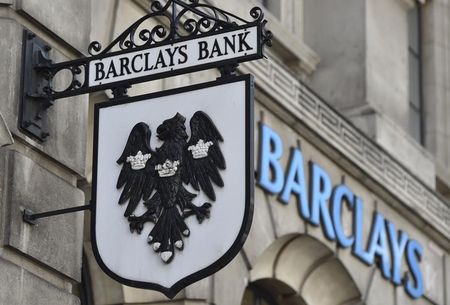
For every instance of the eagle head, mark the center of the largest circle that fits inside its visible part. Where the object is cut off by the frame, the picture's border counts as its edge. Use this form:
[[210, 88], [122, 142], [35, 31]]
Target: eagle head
[[172, 128]]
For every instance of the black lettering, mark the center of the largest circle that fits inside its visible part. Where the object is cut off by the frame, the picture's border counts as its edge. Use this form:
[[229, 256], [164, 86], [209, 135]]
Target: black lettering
[[242, 42], [216, 49], [160, 61], [124, 62], [230, 44], [133, 64], [172, 55], [147, 63], [204, 53], [99, 71], [182, 50], [112, 70]]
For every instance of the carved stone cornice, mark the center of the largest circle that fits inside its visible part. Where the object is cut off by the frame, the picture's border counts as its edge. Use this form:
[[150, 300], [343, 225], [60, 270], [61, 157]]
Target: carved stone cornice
[[310, 110]]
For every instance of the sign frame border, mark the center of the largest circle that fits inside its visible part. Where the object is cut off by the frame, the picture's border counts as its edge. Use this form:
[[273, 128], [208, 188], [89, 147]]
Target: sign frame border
[[175, 72], [237, 245]]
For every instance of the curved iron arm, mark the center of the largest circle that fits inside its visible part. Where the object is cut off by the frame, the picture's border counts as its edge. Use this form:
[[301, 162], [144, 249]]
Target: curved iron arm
[[192, 19], [200, 23]]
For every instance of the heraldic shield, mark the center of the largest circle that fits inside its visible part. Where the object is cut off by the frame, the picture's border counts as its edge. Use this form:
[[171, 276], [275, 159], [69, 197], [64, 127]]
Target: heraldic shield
[[173, 183]]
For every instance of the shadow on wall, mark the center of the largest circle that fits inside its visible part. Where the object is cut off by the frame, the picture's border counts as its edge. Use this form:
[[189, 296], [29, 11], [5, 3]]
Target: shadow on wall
[[301, 270], [5, 135]]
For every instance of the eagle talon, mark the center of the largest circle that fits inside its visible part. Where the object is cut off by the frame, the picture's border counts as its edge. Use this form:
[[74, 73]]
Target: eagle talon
[[202, 212], [137, 223]]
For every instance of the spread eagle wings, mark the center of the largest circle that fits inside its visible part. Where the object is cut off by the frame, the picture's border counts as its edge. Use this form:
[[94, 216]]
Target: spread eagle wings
[[201, 161], [203, 157], [137, 184]]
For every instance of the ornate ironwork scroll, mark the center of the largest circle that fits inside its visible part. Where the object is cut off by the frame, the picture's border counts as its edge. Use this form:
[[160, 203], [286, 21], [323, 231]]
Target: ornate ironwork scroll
[[192, 20], [168, 22]]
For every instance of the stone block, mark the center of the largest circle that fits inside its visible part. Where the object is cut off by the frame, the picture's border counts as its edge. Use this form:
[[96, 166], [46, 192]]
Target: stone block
[[5, 134], [230, 283], [55, 241], [133, 295], [433, 272], [101, 26], [447, 279], [4, 161], [432, 263], [200, 290], [311, 154], [20, 287], [404, 299], [262, 232], [70, 20], [397, 142], [337, 34], [10, 63], [67, 119], [105, 290], [329, 284], [406, 150], [381, 292], [360, 272], [387, 67], [286, 217]]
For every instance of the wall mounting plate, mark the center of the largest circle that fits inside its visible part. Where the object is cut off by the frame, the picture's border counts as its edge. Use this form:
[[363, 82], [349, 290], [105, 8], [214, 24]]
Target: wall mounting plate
[[34, 101]]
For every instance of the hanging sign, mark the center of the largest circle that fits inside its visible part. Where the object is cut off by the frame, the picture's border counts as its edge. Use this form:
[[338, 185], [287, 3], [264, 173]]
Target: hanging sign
[[195, 54], [174, 38], [172, 183]]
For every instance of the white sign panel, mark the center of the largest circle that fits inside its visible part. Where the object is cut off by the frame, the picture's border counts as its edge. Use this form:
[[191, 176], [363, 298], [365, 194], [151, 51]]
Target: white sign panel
[[229, 46], [173, 180]]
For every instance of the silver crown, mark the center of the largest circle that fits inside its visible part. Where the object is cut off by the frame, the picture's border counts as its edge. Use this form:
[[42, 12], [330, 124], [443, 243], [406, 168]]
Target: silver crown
[[168, 169], [200, 150], [139, 161]]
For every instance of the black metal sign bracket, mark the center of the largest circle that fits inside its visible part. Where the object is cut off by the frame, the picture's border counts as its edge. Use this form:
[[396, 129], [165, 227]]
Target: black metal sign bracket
[[31, 218], [177, 22], [34, 101]]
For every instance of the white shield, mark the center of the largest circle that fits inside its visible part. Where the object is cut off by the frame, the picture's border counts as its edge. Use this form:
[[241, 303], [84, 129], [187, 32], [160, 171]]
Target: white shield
[[210, 243]]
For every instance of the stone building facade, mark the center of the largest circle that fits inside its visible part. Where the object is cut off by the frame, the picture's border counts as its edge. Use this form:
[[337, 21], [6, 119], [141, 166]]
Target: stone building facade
[[359, 88]]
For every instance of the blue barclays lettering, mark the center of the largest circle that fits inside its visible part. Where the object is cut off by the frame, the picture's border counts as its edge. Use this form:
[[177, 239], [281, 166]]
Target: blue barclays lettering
[[385, 246], [358, 246], [271, 150], [341, 194], [378, 245], [295, 183], [321, 188]]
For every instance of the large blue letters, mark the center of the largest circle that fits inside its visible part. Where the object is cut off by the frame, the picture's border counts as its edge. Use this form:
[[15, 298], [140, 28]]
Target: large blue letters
[[271, 150], [320, 186], [414, 254], [387, 247], [340, 194], [398, 245], [378, 245], [358, 246], [295, 183]]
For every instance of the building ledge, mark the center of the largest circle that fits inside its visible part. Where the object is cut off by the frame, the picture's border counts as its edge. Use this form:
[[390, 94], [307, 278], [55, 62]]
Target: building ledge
[[287, 46], [304, 110]]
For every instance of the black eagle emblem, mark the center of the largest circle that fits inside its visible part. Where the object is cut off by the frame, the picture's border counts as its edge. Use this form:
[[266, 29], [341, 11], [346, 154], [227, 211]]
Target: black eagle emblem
[[157, 177]]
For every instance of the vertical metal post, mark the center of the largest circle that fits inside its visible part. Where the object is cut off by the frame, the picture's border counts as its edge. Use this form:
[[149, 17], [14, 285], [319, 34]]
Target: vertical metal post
[[174, 20]]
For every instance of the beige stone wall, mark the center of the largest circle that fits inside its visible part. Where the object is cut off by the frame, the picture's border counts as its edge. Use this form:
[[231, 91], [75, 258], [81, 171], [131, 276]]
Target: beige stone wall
[[278, 94], [41, 264], [352, 56]]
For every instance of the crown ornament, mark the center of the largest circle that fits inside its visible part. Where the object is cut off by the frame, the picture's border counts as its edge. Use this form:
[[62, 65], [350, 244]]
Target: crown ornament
[[139, 161], [167, 169], [200, 150]]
